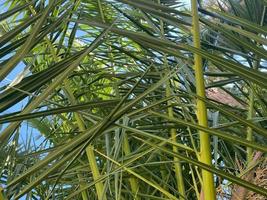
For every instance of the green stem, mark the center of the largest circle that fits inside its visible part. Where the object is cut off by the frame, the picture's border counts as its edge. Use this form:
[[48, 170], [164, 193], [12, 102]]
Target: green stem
[[251, 111], [208, 188], [83, 185], [2, 197], [249, 129], [96, 175], [101, 11], [132, 180], [71, 98], [140, 177], [177, 162], [194, 179], [90, 149], [126, 147]]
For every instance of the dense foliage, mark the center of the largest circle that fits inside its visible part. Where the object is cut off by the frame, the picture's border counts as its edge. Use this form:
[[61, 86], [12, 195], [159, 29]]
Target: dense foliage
[[100, 99]]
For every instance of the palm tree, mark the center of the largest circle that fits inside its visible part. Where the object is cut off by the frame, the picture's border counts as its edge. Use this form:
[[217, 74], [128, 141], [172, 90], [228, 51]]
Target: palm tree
[[111, 99]]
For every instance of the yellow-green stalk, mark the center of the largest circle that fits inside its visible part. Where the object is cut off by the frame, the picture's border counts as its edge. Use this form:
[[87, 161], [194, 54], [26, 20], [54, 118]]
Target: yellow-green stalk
[[2, 197], [205, 150], [89, 150], [140, 177], [251, 113], [251, 110], [82, 184], [194, 179], [132, 180], [249, 129], [177, 162], [126, 147], [50, 46], [96, 175]]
